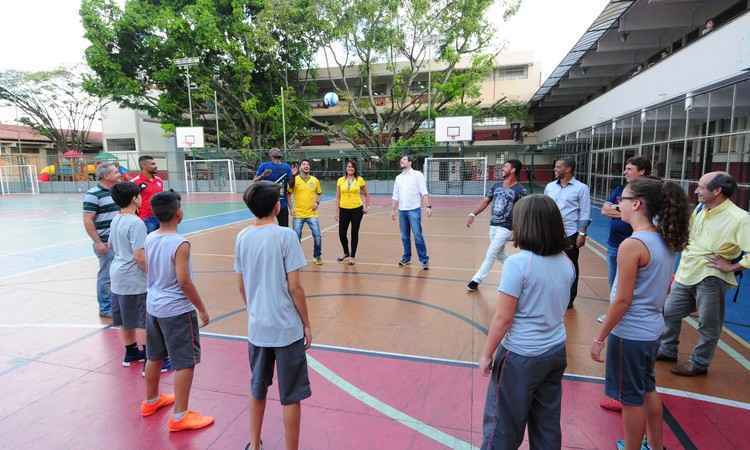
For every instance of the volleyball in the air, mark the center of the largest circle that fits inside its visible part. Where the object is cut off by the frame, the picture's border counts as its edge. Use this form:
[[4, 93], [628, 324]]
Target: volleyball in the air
[[331, 99]]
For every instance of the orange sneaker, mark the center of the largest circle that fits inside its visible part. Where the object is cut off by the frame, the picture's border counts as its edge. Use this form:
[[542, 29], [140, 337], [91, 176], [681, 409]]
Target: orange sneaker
[[192, 420], [148, 409], [610, 404]]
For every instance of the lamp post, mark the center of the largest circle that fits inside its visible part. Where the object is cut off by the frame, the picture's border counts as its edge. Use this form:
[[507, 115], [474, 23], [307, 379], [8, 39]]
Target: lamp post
[[186, 63], [430, 40]]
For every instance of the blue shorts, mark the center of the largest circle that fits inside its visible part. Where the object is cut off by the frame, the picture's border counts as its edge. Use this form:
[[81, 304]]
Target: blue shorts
[[630, 373]]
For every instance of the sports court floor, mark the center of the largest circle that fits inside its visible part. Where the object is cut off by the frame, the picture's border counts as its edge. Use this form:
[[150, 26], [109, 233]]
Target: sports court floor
[[393, 363]]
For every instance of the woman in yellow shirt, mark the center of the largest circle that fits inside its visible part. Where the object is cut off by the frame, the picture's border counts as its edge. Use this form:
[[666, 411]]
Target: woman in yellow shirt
[[351, 189]]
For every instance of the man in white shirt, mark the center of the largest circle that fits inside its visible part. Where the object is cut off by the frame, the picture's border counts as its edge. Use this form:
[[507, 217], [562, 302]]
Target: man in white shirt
[[409, 194]]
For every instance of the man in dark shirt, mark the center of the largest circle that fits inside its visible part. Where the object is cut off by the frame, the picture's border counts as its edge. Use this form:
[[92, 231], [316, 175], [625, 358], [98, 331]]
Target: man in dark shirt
[[502, 196], [282, 174]]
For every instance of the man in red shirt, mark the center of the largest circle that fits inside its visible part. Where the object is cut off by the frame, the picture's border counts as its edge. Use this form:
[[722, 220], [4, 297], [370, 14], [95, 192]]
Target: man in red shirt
[[150, 185]]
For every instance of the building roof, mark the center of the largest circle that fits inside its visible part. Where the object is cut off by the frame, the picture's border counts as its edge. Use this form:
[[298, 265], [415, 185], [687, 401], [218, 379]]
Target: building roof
[[626, 38], [28, 134]]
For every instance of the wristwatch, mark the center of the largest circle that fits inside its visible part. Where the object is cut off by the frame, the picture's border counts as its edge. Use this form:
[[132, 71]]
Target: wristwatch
[[428, 206], [581, 233]]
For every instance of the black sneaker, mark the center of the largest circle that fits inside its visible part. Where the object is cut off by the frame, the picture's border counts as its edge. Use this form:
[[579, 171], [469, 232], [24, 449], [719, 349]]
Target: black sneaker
[[166, 366], [425, 267], [132, 355], [403, 263], [472, 286]]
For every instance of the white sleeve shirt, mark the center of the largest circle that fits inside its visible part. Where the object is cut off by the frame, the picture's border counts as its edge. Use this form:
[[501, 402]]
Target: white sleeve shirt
[[408, 190]]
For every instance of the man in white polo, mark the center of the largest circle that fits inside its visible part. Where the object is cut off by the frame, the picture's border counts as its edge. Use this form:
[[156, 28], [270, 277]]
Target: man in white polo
[[409, 195]]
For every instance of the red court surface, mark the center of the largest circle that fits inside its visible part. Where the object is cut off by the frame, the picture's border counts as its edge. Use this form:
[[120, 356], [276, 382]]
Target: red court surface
[[74, 394]]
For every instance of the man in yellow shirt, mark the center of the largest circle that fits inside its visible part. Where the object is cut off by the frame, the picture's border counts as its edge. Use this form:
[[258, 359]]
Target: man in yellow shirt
[[305, 201], [719, 233]]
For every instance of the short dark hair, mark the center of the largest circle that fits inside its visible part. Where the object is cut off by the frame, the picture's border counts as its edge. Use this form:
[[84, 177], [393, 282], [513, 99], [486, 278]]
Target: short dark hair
[[408, 157], [640, 163], [165, 205], [305, 160], [261, 197], [725, 182], [569, 162], [538, 225], [124, 193], [144, 158], [516, 165]]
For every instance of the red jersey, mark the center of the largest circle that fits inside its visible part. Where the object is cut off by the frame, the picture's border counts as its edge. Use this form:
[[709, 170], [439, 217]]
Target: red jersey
[[149, 188]]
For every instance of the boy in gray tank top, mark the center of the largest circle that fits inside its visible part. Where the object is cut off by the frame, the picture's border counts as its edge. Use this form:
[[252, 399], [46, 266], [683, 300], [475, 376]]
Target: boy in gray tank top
[[634, 320], [172, 322]]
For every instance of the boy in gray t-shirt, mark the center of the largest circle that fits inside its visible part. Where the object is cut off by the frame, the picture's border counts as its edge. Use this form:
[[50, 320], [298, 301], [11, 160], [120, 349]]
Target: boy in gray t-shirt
[[268, 258], [128, 271]]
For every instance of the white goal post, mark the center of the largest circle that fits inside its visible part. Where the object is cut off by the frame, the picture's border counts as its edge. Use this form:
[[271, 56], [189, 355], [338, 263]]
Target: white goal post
[[210, 176], [18, 179], [456, 176]]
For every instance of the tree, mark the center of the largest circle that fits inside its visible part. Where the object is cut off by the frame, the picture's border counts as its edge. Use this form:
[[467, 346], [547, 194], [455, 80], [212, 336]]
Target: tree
[[399, 40], [53, 103], [246, 51]]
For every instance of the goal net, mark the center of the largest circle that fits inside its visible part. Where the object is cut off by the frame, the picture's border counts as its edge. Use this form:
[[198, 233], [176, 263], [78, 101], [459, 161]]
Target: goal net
[[18, 179], [456, 176], [210, 175]]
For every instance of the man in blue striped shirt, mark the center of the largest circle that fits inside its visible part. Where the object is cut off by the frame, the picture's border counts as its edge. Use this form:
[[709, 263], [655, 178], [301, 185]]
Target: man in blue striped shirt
[[574, 200], [98, 211]]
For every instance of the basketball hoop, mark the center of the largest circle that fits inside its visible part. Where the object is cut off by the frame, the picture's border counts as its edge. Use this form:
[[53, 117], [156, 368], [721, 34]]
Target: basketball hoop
[[188, 141], [453, 133]]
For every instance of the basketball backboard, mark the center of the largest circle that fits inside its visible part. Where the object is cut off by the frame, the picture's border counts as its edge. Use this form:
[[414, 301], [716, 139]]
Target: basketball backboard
[[453, 129], [190, 137]]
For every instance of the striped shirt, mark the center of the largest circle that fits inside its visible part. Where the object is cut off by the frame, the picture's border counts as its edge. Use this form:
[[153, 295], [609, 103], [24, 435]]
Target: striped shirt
[[98, 201]]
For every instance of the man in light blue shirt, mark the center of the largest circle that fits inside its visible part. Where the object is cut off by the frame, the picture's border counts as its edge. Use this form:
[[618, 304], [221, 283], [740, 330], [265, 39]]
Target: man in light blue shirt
[[574, 200]]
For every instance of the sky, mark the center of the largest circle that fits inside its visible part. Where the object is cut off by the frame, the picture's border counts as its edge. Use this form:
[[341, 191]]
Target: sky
[[43, 34]]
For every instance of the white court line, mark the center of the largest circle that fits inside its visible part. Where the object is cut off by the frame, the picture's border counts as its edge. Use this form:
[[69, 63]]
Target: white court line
[[51, 325], [386, 409], [45, 247], [734, 354]]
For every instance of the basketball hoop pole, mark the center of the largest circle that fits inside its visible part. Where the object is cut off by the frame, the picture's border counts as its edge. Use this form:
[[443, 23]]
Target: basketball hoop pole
[[283, 121]]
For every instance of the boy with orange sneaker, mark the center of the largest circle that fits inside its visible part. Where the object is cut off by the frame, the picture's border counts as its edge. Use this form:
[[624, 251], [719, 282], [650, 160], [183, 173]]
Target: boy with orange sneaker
[[268, 259], [171, 320]]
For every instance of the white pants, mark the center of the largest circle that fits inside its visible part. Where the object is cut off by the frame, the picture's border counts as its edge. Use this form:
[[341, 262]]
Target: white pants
[[496, 251]]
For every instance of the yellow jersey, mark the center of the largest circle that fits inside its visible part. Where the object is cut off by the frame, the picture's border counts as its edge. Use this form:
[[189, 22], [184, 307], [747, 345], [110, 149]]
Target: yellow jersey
[[305, 197], [349, 197]]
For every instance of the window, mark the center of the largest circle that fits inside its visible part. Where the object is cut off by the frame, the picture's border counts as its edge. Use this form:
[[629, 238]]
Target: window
[[676, 152], [649, 125], [720, 116], [662, 124], [513, 73], [501, 121], [742, 107], [677, 121], [121, 145], [698, 116]]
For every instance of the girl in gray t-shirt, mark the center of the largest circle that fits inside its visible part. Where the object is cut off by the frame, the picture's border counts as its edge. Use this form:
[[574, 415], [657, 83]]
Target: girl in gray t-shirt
[[525, 346]]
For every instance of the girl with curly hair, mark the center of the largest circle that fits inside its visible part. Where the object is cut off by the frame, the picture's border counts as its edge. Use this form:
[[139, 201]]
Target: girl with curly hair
[[659, 215]]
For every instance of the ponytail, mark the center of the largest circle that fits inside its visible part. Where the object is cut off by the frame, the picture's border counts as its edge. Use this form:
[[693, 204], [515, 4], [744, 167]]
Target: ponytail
[[667, 203]]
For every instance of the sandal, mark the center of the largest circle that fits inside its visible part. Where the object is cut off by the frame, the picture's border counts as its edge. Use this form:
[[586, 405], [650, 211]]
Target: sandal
[[342, 258], [350, 261]]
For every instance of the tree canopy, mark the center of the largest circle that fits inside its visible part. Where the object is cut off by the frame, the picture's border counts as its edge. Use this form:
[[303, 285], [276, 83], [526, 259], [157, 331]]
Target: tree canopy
[[367, 41], [245, 48], [53, 103]]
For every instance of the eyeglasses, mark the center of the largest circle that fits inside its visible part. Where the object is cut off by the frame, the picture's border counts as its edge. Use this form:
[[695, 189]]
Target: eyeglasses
[[629, 198]]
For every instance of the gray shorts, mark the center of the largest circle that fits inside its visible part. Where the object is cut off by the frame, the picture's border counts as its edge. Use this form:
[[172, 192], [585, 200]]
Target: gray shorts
[[291, 365], [177, 337], [129, 311]]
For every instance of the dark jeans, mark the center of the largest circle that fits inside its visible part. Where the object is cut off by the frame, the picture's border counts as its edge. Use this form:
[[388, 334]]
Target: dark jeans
[[353, 217], [524, 390], [572, 250], [283, 217]]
